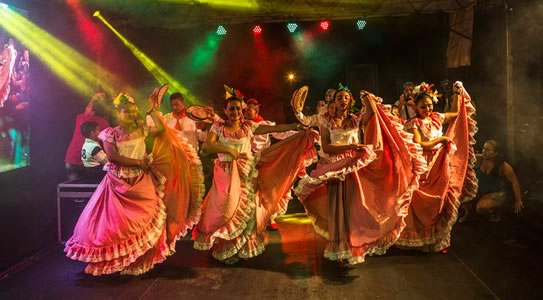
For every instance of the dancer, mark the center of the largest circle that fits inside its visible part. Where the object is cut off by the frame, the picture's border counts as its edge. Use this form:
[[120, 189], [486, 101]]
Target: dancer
[[248, 190], [450, 178], [143, 204], [358, 196]]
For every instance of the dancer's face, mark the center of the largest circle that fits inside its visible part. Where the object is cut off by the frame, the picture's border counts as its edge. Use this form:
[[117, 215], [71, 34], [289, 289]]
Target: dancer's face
[[489, 151], [425, 107], [328, 97], [331, 109], [343, 100], [177, 105], [251, 111], [233, 110], [128, 114]]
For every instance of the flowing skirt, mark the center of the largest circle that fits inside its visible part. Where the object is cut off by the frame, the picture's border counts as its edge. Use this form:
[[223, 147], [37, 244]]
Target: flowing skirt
[[359, 200], [247, 193], [130, 227], [450, 180]]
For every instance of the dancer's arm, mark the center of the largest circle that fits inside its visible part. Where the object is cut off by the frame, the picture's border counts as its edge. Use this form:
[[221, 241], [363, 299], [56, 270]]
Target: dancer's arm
[[158, 128], [417, 138], [455, 108], [263, 129], [114, 157], [371, 107], [312, 120], [510, 175], [211, 145], [329, 148]]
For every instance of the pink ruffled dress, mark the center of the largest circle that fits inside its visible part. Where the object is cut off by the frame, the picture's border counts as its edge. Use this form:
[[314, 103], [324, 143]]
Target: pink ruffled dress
[[134, 218], [358, 199], [449, 180], [247, 193]]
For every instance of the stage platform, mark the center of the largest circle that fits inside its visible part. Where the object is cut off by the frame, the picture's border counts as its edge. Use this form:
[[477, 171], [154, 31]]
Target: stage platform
[[486, 261]]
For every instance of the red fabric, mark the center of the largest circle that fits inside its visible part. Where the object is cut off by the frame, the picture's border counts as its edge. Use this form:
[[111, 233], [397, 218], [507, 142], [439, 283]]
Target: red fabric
[[73, 154]]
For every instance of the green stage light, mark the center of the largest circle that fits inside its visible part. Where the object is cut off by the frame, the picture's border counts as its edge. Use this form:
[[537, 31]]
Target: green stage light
[[292, 27], [360, 24], [221, 30]]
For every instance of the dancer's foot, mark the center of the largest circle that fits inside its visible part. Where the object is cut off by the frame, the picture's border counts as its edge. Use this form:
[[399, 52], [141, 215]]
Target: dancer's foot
[[273, 226], [444, 250]]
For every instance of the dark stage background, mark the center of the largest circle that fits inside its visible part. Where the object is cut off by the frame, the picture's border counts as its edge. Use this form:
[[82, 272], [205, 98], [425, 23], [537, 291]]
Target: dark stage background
[[397, 48]]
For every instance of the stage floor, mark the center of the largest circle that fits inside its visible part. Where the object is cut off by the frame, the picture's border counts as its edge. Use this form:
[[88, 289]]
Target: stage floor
[[486, 261]]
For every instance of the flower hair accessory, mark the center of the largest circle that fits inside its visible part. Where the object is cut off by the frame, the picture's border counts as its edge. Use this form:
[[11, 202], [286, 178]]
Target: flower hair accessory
[[122, 99], [231, 92], [343, 88], [425, 88]]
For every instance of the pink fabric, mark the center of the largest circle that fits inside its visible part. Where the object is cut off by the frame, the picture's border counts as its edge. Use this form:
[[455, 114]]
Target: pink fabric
[[234, 217], [279, 167], [120, 223], [360, 201], [434, 207], [178, 161], [131, 227], [73, 153]]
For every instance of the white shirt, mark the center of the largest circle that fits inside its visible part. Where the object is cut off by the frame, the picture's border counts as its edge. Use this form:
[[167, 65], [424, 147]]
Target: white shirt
[[89, 160]]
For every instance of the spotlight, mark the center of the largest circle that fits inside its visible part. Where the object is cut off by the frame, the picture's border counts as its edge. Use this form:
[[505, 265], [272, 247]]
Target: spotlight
[[96, 14], [291, 76], [360, 24], [4, 6], [292, 27], [257, 29], [221, 30], [324, 25]]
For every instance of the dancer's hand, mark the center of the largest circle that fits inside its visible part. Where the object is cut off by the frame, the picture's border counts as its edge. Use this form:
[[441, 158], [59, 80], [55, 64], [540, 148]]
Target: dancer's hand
[[518, 206], [445, 139], [144, 164], [237, 154]]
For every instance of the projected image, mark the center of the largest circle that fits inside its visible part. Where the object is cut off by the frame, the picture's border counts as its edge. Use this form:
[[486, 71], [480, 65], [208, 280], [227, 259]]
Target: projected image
[[14, 101]]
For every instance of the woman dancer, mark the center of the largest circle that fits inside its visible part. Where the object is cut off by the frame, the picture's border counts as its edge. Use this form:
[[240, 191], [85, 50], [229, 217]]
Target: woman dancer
[[359, 195], [126, 226], [247, 191], [450, 178]]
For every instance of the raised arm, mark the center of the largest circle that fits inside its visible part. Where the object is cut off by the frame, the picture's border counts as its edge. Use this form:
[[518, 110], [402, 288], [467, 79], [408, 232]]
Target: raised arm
[[455, 107], [158, 128], [368, 100]]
